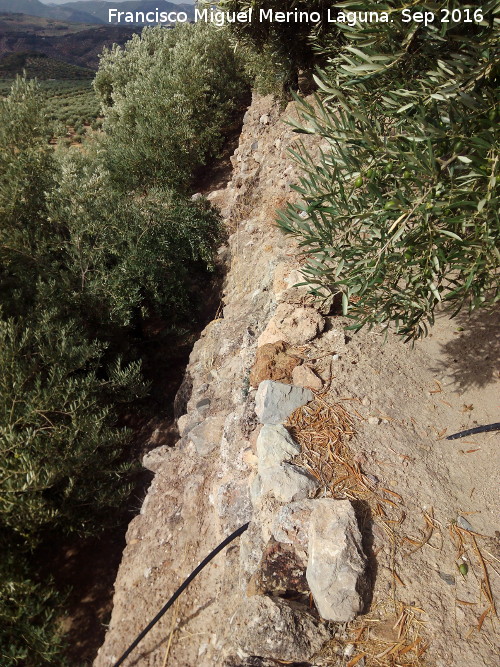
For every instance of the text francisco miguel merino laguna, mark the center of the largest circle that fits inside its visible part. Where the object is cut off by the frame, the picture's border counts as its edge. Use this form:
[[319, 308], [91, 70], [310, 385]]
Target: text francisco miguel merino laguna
[[219, 18]]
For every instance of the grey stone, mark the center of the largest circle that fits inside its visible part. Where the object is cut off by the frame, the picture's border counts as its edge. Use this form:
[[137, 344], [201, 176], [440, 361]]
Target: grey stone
[[197, 196], [447, 578], [275, 401], [275, 445], [206, 436], [287, 482], [278, 629], [265, 120], [336, 565], [186, 423], [463, 523], [203, 405]]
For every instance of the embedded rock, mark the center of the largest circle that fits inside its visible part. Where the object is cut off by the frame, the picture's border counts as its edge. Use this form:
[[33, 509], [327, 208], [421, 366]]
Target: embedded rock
[[276, 628], [233, 504], [274, 446], [275, 402], [287, 482], [207, 436], [291, 523], [336, 564]]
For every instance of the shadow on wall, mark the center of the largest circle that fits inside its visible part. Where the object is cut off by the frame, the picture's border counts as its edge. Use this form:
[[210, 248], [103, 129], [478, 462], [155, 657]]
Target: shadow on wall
[[472, 356]]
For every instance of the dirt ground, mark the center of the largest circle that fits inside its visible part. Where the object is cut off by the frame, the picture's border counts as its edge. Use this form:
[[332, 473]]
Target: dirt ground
[[404, 402]]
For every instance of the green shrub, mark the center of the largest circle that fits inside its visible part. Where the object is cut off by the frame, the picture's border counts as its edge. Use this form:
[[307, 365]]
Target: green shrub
[[400, 211], [28, 634], [166, 95], [82, 267]]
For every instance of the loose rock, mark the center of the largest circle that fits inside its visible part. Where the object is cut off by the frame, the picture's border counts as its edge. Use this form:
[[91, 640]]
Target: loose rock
[[336, 564], [272, 362], [293, 325], [302, 376]]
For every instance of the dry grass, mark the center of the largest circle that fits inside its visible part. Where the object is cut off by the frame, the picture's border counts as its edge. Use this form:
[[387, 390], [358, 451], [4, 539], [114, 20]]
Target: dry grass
[[323, 430], [466, 542], [394, 641]]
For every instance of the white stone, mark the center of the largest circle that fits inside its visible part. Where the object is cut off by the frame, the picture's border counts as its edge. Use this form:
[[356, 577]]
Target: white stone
[[294, 325], [336, 564], [287, 482], [274, 446]]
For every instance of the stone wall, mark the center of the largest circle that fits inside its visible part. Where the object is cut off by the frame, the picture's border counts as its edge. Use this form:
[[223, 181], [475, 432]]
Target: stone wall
[[202, 487]]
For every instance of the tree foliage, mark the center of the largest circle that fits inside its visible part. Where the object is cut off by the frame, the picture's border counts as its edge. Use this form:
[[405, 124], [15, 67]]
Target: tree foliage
[[400, 211], [165, 96], [82, 268], [275, 51]]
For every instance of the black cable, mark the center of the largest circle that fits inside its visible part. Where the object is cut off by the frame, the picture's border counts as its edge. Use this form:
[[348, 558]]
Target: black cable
[[473, 431], [181, 588]]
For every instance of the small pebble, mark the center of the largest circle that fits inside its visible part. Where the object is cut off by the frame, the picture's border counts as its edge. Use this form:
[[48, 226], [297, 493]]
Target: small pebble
[[448, 578], [463, 523], [373, 479]]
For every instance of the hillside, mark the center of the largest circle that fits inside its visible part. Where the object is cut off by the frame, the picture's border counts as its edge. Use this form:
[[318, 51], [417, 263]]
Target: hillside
[[98, 9], [36, 8], [87, 11], [41, 67], [76, 44]]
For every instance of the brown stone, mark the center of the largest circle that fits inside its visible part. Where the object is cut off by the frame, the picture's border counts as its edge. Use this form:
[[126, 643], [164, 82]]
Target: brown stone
[[302, 376], [281, 570], [273, 362]]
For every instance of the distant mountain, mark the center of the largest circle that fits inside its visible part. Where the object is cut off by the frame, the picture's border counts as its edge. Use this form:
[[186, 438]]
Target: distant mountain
[[99, 9], [90, 11], [73, 43], [62, 2], [36, 8]]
